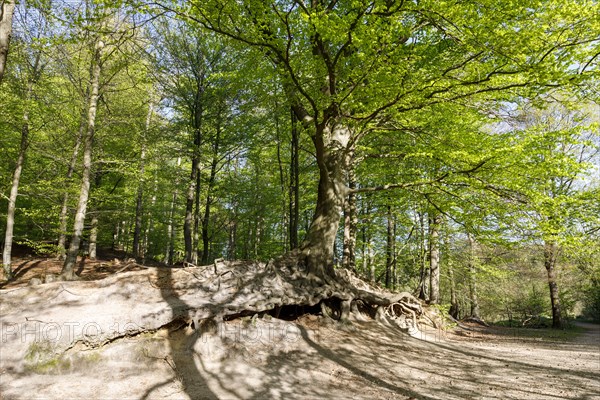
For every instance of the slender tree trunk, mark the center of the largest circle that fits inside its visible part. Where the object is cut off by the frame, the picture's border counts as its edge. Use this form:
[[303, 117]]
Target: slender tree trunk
[[390, 252], [170, 225], [294, 195], [116, 236], [551, 251], [68, 271], [150, 226], [14, 189], [231, 245], [424, 270], [350, 222], [62, 237], [197, 219], [209, 198], [7, 8], [93, 242], [139, 203], [473, 296], [282, 184], [454, 309], [434, 259], [193, 188]]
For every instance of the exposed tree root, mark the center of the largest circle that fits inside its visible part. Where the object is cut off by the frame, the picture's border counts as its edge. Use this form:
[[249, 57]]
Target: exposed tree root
[[92, 313]]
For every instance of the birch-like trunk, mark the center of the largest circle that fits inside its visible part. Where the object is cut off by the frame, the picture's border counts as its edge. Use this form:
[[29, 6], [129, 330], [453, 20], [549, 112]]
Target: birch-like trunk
[[62, 236], [93, 242], [68, 271], [14, 190], [7, 8], [170, 225]]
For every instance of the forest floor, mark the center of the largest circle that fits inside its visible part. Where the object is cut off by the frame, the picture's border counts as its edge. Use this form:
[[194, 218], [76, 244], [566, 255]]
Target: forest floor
[[310, 357]]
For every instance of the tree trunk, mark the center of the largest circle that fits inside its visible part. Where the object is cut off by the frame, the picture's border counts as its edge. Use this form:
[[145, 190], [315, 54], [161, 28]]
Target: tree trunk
[[188, 222], [7, 8], [350, 222], [116, 236], [68, 271], [14, 190], [424, 269], [434, 259], [294, 194], [193, 189], [551, 251], [170, 226], [209, 199], [282, 184], [62, 237], [317, 250], [197, 219], [390, 248], [454, 310], [93, 242], [145, 247], [473, 297], [139, 203]]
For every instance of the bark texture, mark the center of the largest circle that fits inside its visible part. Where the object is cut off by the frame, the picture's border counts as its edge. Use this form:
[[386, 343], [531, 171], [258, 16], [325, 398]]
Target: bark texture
[[434, 259], [473, 296], [318, 249], [12, 200], [551, 251], [68, 271], [7, 8]]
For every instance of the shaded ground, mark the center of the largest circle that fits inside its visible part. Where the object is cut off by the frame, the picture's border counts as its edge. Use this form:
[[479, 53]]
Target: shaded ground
[[27, 267], [308, 358]]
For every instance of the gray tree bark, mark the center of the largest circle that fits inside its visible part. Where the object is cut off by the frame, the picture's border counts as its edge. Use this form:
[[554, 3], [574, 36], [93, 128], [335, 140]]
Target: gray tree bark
[[434, 258], [390, 248], [7, 8], [350, 222], [473, 296], [14, 191], [170, 225], [68, 271], [331, 141], [63, 217], [93, 242]]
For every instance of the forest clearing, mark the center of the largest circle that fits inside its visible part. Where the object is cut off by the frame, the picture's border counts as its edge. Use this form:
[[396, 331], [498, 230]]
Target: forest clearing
[[299, 199]]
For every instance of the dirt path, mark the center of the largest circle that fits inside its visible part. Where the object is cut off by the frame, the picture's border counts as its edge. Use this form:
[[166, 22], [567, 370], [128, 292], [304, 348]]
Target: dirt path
[[591, 336], [311, 359], [305, 359]]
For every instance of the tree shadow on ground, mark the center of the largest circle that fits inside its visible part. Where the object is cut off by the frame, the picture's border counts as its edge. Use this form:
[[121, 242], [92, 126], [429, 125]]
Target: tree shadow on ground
[[182, 357]]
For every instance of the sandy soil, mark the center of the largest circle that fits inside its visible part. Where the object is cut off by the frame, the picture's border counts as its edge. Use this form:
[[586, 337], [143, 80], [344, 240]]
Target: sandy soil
[[312, 358]]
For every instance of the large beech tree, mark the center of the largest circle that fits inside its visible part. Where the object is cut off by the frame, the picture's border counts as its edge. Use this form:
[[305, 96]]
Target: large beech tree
[[351, 66]]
